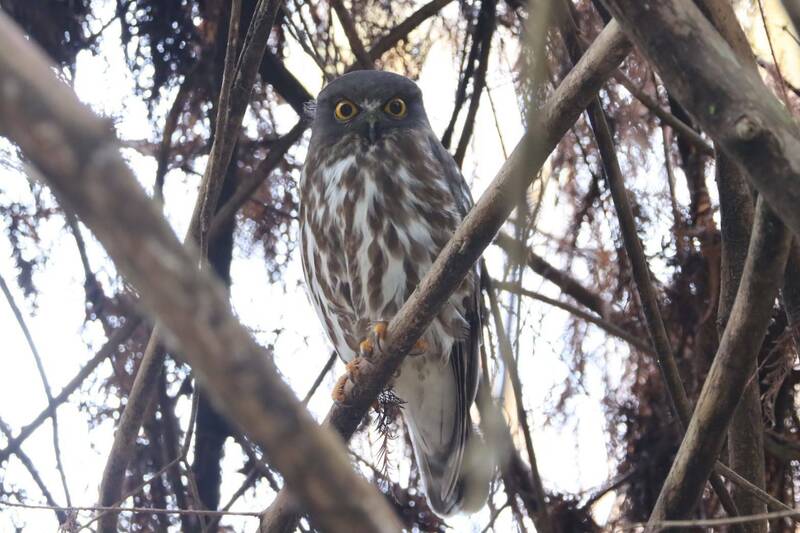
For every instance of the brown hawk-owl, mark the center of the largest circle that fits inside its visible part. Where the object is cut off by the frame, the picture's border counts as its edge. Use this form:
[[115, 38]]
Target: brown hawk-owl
[[380, 197]]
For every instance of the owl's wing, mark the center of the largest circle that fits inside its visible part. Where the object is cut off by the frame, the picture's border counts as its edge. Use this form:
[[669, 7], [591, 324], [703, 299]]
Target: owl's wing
[[464, 357], [458, 185]]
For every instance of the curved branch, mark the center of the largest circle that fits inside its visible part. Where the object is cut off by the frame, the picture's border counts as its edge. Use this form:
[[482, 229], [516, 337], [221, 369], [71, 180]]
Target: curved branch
[[75, 152]]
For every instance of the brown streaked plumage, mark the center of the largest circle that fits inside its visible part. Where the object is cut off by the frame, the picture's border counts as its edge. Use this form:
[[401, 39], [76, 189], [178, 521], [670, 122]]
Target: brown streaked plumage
[[380, 197]]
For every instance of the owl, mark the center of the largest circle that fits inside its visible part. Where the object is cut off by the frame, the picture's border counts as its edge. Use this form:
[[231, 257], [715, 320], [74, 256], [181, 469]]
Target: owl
[[379, 199]]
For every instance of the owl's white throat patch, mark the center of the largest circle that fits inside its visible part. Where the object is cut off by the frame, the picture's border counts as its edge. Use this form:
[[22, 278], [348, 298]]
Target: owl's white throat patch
[[370, 105]]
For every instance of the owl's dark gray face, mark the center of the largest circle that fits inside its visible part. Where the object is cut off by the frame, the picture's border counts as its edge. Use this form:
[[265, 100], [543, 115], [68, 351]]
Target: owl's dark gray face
[[368, 103]]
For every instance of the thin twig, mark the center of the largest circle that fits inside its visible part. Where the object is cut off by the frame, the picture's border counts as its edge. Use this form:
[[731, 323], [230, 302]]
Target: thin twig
[[349, 27], [26, 461], [689, 133], [600, 322], [108, 350], [45, 383], [484, 32], [322, 373], [711, 522], [542, 518], [563, 280], [497, 123], [772, 52], [401, 31], [144, 510]]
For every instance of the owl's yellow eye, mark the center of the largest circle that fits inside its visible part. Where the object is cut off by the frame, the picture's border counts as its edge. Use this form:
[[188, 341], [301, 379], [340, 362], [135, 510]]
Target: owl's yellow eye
[[345, 110], [396, 107]]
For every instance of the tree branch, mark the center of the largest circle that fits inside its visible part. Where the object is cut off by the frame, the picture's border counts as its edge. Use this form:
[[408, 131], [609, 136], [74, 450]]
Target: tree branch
[[542, 516], [605, 325], [362, 56], [251, 182], [731, 369], [666, 117], [484, 31], [568, 285], [75, 152], [61, 516], [45, 383], [793, 9], [107, 350], [401, 31], [745, 436], [731, 103]]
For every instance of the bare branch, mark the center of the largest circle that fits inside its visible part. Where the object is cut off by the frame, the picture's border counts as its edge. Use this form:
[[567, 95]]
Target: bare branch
[[249, 184], [793, 9], [322, 373], [602, 323], [75, 152], [568, 285], [142, 395], [401, 31], [484, 32], [542, 517], [745, 436], [666, 117], [731, 369], [362, 56], [732, 104], [61, 516], [234, 96], [45, 383], [108, 350]]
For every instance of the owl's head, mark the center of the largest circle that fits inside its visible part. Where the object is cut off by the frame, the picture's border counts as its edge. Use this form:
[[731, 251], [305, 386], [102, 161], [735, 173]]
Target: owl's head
[[369, 103]]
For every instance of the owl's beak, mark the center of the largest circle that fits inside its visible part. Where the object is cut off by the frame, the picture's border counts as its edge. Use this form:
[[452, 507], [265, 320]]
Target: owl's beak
[[373, 131]]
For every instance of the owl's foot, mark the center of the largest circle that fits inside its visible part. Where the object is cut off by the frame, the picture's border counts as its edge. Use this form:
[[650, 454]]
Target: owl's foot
[[344, 384], [377, 336], [419, 348]]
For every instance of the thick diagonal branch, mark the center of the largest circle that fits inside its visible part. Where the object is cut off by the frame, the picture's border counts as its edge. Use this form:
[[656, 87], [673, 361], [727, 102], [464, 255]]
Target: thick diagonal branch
[[75, 152]]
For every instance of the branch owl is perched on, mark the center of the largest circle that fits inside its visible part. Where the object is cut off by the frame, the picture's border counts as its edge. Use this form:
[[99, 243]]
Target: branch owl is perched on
[[380, 197]]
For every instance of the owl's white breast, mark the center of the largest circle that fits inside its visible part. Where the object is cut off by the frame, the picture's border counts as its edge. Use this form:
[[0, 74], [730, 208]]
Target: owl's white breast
[[374, 220]]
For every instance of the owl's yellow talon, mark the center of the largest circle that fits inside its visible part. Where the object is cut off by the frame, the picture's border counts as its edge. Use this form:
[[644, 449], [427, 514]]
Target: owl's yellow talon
[[354, 369], [366, 348], [379, 329], [419, 348], [345, 384], [378, 333], [338, 393]]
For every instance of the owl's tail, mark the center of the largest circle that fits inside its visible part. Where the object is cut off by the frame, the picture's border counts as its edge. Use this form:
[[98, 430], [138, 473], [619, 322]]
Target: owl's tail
[[456, 478]]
